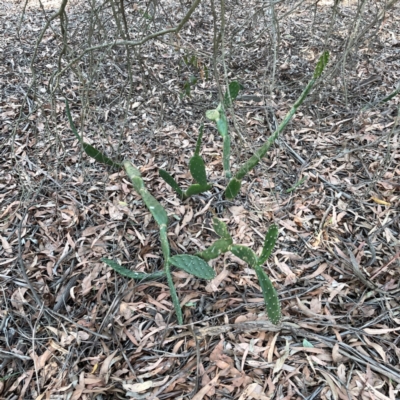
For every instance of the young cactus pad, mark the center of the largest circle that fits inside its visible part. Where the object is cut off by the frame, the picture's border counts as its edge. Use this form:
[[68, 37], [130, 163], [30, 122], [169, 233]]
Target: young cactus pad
[[198, 143], [132, 274], [197, 168], [221, 229], [89, 149], [171, 182], [226, 154], [269, 243], [215, 250], [323, 60], [231, 93], [193, 265], [244, 253], [221, 245], [155, 208], [196, 189], [219, 117], [270, 296], [233, 187], [174, 296]]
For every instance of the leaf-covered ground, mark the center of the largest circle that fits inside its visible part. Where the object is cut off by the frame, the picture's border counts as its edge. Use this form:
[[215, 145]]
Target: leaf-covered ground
[[71, 328]]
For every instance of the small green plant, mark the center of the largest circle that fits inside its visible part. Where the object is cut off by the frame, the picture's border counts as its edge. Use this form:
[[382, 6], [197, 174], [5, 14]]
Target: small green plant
[[197, 264], [187, 86], [246, 254], [235, 183], [219, 117], [194, 64], [197, 169], [190, 263], [225, 243], [146, 15], [221, 245], [296, 185], [89, 150]]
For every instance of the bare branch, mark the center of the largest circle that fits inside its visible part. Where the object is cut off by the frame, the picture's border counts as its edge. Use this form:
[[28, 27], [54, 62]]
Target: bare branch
[[135, 43]]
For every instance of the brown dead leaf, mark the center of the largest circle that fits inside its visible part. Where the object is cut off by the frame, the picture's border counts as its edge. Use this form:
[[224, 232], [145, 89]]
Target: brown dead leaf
[[106, 365], [290, 276], [6, 246], [18, 299], [309, 313], [79, 388], [336, 356], [205, 389], [40, 361], [91, 230], [371, 331], [281, 360], [214, 283], [138, 387], [253, 391], [316, 305], [377, 347]]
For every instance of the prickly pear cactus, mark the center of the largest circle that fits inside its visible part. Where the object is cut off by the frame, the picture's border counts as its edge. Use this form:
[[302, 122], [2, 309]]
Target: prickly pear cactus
[[155, 208], [221, 229], [174, 295], [197, 168], [233, 89], [269, 243], [171, 182], [244, 253], [132, 274], [193, 265], [212, 115], [323, 60], [215, 250], [233, 188], [270, 296], [197, 189]]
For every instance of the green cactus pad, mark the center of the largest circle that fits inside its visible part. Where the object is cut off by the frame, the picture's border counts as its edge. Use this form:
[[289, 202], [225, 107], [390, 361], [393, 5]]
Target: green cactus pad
[[234, 88], [212, 115], [245, 254], [89, 150], [132, 274], [234, 185], [215, 250], [270, 296], [155, 208], [174, 296], [196, 189], [269, 243], [221, 229], [198, 143], [198, 170], [134, 175], [171, 182], [193, 265], [98, 155], [222, 124], [323, 60], [164, 242], [233, 188], [226, 156]]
